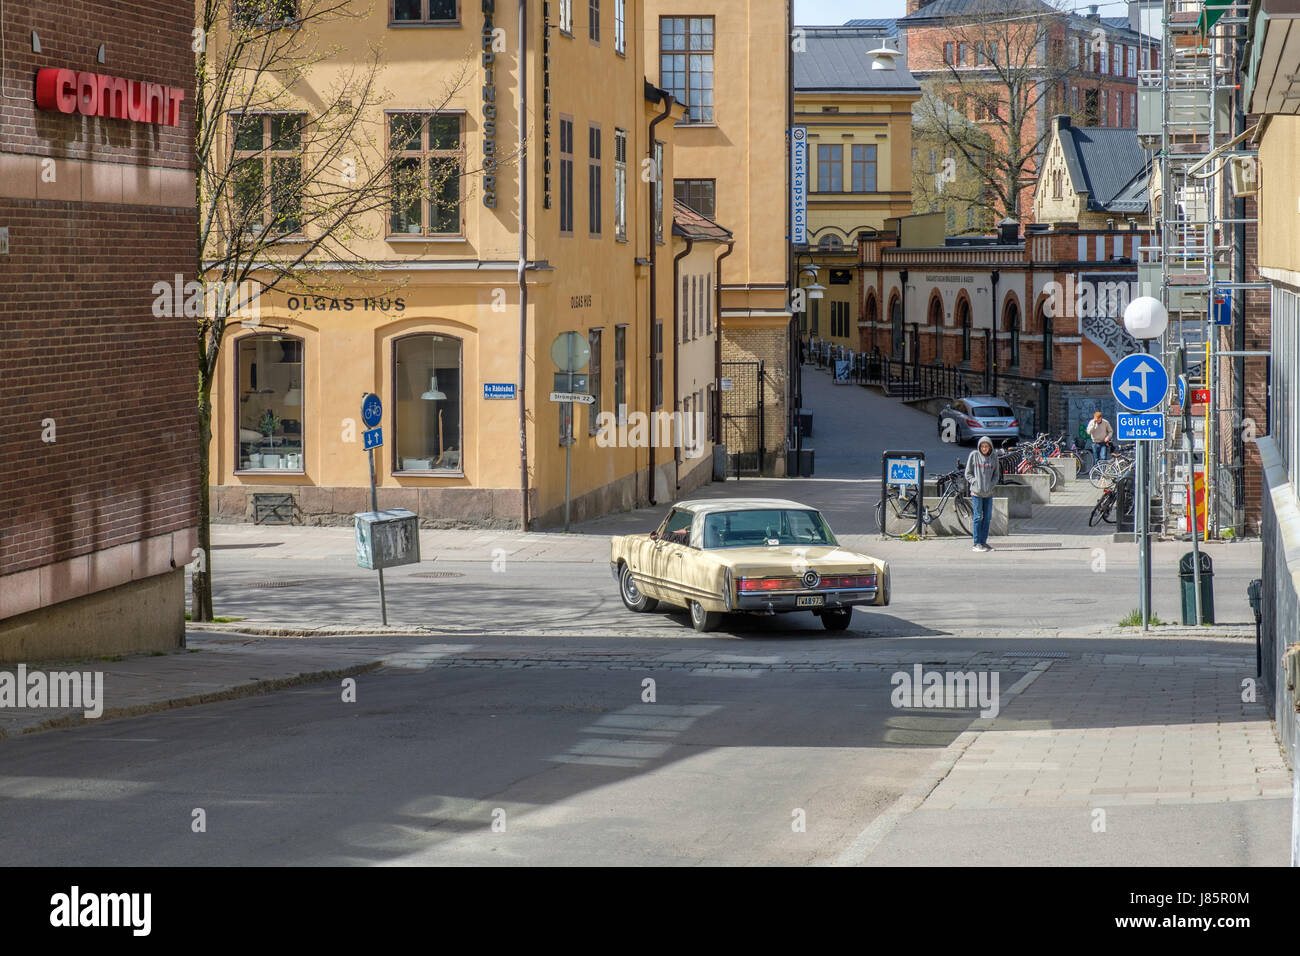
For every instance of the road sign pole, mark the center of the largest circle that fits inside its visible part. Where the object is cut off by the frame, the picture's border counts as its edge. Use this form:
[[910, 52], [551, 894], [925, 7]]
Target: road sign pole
[[1144, 502], [568, 443], [374, 506]]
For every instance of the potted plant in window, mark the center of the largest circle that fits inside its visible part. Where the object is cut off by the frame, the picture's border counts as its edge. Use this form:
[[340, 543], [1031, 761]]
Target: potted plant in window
[[268, 425]]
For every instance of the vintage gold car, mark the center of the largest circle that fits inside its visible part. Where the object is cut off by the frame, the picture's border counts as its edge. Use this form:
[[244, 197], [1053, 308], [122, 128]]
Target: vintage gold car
[[746, 555]]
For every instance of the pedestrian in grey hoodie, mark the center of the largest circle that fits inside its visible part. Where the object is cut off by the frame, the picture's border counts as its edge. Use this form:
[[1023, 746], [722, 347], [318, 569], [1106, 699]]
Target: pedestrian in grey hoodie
[[983, 472]]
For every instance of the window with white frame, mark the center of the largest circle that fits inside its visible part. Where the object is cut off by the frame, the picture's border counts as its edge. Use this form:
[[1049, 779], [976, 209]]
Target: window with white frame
[[620, 184], [620, 20], [566, 16]]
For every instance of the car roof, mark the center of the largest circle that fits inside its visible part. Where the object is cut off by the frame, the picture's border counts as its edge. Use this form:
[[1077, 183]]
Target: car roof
[[713, 505], [978, 399]]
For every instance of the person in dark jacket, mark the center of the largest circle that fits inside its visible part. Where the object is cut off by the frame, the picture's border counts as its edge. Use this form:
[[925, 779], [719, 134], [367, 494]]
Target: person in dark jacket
[[983, 472]]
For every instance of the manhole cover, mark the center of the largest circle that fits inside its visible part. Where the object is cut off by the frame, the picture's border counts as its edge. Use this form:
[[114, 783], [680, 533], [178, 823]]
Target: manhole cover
[[276, 584], [438, 574]]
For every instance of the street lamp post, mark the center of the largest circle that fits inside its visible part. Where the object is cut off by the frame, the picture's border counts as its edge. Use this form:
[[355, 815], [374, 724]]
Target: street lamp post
[[1145, 319]]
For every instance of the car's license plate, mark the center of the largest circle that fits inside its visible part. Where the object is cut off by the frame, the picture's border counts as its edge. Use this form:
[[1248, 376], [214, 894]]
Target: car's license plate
[[812, 600]]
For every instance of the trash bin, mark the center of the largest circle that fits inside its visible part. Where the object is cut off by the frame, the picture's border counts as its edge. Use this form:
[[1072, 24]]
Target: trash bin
[[806, 462], [805, 424], [1187, 582]]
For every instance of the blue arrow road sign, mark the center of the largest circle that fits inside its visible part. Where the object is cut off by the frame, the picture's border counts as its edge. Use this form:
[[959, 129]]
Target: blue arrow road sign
[[373, 438], [372, 410], [1140, 426], [1139, 382]]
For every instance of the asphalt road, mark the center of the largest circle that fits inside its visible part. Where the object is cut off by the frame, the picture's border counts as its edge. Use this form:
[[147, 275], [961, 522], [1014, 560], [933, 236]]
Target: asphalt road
[[416, 771]]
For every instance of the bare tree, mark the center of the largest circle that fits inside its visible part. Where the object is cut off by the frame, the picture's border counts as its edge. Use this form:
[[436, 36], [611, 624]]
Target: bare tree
[[294, 169], [992, 83]]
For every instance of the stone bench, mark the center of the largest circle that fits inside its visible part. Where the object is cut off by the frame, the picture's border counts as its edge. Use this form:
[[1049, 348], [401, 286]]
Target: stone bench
[[1020, 500], [1040, 486], [946, 523]]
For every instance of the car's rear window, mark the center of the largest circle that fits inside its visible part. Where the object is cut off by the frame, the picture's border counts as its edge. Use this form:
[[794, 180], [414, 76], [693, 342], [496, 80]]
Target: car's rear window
[[785, 526], [992, 411]]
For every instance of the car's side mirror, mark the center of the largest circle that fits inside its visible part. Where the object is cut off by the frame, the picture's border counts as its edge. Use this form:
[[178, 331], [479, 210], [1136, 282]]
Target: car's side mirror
[[654, 535]]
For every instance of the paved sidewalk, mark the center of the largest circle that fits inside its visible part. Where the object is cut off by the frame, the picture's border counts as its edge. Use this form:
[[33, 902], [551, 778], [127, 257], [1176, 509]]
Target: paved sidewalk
[[1069, 771]]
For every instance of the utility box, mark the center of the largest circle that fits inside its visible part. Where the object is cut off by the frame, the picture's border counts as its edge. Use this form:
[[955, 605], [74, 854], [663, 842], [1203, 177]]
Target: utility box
[[387, 539], [1187, 582]]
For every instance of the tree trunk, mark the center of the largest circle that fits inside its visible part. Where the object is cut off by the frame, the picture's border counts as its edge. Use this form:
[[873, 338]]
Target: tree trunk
[[201, 605]]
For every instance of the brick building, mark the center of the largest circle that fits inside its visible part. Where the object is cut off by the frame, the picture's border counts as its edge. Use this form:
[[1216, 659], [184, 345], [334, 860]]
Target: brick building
[[98, 503], [1036, 319], [974, 52]]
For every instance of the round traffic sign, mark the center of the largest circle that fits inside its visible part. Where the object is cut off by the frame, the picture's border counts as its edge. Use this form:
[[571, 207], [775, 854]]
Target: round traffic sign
[[1139, 382], [372, 410], [570, 351]]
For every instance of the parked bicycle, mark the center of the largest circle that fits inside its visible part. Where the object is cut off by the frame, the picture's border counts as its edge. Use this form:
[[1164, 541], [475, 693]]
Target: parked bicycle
[[901, 511], [1104, 509], [1105, 473]]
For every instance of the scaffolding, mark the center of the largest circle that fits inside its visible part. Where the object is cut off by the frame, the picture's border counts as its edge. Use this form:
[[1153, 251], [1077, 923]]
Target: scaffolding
[[1194, 127]]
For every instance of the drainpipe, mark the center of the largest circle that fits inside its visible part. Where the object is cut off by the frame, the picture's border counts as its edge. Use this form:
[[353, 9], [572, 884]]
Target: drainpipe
[[676, 379], [523, 264], [654, 256], [1239, 339], [717, 348]]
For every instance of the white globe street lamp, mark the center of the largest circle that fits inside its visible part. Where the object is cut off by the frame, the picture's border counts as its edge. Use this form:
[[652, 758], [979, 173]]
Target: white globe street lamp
[[1145, 318]]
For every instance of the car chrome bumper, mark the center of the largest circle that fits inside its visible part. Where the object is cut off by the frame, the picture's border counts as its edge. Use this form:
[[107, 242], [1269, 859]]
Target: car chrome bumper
[[786, 600]]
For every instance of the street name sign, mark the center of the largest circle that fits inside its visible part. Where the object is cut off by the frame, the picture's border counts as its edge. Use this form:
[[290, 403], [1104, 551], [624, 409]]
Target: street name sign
[[578, 397]]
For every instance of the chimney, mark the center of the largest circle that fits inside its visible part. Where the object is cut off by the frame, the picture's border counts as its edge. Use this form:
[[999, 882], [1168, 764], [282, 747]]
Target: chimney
[[1092, 12], [1008, 232], [914, 5]]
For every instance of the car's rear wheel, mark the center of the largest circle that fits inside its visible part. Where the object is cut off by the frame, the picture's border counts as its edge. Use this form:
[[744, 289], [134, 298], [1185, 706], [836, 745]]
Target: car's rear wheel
[[633, 599], [703, 620], [837, 619]]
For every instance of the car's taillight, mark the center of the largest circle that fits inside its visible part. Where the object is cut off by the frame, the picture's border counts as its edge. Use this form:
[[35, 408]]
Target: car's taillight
[[765, 584], [1014, 424], [849, 581], [973, 421]]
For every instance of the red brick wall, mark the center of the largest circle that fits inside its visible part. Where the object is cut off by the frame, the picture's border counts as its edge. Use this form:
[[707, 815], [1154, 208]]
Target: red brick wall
[[81, 345], [143, 40]]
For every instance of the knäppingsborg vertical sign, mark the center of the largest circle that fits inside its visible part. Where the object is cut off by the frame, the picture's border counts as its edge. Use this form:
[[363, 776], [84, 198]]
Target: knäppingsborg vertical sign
[[799, 185]]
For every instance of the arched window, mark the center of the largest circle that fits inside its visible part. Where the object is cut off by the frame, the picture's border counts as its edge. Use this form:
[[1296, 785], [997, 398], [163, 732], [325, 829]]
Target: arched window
[[831, 243], [427, 433], [1048, 342], [269, 386]]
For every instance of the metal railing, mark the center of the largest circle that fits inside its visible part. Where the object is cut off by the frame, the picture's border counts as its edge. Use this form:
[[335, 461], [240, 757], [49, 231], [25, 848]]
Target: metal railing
[[897, 378]]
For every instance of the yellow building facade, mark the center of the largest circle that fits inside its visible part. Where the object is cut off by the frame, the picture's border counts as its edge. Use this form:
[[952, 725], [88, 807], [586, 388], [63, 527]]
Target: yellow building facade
[[434, 327], [730, 62], [857, 109]]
